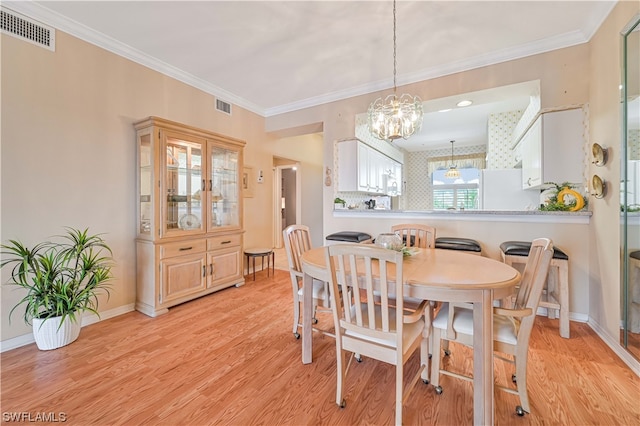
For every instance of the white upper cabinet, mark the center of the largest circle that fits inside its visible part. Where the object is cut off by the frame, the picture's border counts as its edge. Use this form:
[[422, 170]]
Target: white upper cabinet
[[364, 169], [552, 149]]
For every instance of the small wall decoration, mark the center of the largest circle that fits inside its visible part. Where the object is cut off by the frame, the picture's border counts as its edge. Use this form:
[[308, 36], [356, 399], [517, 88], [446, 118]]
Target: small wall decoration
[[247, 182], [598, 186], [599, 155], [327, 179]]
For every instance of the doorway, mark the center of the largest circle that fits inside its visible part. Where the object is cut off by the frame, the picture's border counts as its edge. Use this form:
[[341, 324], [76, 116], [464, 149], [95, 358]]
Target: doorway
[[287, 195]]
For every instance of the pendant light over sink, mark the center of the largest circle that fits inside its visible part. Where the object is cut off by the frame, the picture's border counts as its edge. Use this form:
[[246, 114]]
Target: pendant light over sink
[[453, 172], [395, 117]]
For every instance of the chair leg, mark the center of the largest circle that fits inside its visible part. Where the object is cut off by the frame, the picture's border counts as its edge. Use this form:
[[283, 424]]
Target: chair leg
[[435, 359], [296, 317], [424, 355], [521, 379], [399, 386], [340, 373]]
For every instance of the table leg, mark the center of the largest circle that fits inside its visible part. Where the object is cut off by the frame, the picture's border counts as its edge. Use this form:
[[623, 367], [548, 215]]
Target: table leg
[[307, 308], [254, 268], [483, 400]]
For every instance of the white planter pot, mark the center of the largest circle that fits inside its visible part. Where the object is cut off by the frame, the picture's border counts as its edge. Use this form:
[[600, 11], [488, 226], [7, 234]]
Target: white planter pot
[[49, 336]]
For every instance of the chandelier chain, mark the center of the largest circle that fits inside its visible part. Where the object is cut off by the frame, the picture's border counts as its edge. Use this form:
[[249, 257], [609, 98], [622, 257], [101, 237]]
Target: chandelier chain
[[395, 116], [394, 48]]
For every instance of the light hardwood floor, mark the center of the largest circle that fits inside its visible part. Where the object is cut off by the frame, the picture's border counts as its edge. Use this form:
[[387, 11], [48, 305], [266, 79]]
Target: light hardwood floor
[[230, 358]]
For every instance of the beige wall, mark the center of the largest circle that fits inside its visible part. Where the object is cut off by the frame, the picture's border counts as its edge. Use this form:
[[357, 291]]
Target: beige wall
[[68, 150], [307, 151], [604, 232]]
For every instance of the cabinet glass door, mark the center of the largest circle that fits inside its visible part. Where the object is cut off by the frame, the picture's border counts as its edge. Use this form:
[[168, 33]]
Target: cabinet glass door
[[184, 186], [224, 188], [145, 179]]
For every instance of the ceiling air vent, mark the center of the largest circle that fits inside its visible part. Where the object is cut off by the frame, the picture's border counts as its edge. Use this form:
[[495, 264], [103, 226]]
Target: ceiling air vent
[[24, 28], [223, 106]]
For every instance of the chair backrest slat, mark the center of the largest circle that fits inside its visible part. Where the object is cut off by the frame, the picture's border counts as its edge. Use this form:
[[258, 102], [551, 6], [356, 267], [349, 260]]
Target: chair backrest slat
[[424, 236], [532, 283], [297, 240], [361, 274]]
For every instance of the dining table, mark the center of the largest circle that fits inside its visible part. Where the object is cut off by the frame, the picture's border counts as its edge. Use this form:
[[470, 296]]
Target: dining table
[[438, 275]]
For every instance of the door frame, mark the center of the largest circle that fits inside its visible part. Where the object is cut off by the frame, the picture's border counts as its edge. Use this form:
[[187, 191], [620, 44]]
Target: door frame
[[277, 209]]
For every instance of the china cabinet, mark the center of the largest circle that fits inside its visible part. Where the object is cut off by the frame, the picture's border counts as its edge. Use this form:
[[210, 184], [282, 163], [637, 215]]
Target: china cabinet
[[189, 214]]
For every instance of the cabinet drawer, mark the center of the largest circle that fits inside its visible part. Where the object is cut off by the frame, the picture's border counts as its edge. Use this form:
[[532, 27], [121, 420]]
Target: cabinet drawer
[[223, 241], [183, 247]]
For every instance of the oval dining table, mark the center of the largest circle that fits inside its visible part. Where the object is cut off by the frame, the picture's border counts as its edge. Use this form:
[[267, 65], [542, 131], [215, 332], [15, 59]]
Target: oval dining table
[[438, 275]]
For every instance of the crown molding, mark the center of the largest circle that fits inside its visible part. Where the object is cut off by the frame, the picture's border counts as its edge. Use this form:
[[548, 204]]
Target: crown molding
[[76, 29], [49, 17]]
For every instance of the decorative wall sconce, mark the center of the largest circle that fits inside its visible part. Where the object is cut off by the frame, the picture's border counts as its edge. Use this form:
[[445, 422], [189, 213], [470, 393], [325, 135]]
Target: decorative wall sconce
[[598, 186], [600, 155], [327, 179]]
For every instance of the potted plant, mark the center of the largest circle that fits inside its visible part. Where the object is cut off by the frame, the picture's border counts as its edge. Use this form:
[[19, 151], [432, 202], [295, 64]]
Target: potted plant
[[562, 197], [63, 279], [339, 203]]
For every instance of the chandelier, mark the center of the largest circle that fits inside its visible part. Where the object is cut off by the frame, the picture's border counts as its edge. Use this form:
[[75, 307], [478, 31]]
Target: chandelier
[[395, 117], [453, 172]]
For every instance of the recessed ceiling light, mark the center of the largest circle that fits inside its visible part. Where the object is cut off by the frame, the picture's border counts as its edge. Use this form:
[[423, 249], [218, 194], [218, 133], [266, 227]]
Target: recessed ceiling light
[[445, 110], [464, 103]]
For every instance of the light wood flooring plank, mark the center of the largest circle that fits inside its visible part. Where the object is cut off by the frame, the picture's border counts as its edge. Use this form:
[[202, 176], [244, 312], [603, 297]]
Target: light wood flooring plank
[[230, 359]]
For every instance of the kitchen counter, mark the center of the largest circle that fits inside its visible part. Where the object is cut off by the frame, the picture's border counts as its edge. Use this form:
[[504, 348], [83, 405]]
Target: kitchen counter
[[474, 215]]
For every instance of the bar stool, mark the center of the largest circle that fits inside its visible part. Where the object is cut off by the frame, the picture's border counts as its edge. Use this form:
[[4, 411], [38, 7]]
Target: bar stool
[[461, 244], [262, 253], [555, 296], [348, 237]]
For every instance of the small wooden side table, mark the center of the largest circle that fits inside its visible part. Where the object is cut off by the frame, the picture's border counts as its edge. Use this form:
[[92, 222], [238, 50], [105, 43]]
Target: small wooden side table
[[262, 253]]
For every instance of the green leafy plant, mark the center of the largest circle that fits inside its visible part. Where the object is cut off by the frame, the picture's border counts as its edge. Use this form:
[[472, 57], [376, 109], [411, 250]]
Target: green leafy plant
[[553, 203], [62, 278], [339, 200]]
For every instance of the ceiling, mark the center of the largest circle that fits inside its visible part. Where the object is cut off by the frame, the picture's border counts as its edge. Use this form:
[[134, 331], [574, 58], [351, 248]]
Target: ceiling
[[277, 56]]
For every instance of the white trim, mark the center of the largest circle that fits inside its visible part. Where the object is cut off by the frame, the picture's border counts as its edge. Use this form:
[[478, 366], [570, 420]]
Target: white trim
[[471, 216], [87, 319], [615, 346]]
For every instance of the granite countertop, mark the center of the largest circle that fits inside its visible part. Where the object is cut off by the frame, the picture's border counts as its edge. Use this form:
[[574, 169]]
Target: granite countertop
[[469, 212]]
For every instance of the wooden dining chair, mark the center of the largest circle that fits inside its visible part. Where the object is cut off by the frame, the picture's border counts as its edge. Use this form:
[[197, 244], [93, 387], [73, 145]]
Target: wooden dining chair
[[511, 327], [416, 235], [383, 331], [419, 236], [297, 240]]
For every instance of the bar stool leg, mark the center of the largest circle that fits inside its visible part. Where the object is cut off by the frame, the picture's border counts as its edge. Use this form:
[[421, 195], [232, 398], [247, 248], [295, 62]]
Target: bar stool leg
[[563, 281], [254, 268]]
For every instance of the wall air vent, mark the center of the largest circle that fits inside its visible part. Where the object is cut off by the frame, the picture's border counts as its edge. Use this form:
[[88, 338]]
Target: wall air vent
[[223, 106], [27, 29]]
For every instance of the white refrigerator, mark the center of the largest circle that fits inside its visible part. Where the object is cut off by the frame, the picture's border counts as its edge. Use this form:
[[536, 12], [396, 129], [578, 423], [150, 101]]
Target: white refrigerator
[[502, 190]]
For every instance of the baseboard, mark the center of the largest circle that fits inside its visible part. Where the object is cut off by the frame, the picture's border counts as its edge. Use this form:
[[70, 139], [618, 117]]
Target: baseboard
[[573, 316], [87, 319], [615, 346]]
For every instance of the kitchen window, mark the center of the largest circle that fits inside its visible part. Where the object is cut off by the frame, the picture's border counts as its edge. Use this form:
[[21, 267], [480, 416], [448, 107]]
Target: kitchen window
[[458, 193]]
